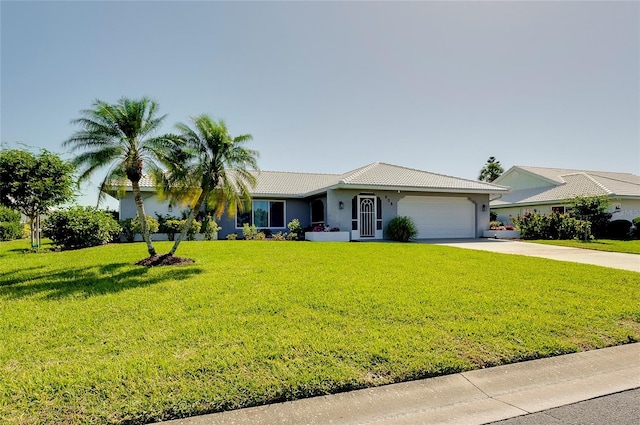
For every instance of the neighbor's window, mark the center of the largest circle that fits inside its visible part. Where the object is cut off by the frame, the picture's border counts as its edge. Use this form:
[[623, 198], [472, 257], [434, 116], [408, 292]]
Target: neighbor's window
[[559, 210], [262, 214]]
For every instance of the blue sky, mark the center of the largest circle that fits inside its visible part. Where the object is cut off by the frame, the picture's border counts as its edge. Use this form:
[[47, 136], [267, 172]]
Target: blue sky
[[332, 86]]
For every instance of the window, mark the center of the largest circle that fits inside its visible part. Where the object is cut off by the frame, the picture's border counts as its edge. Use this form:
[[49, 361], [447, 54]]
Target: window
[[559, 209], [263, 214]]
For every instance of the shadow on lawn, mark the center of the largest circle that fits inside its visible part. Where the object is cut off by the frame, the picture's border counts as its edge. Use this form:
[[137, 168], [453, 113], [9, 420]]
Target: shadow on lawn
[[91, 281]]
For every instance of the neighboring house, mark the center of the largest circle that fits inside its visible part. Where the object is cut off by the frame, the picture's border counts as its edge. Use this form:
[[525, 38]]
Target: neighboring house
[[543, 190], [361, 201]]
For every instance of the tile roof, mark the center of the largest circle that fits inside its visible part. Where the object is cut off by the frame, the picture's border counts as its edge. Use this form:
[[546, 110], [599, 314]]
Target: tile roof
[[378, 175], [569, 183], [291, 183]]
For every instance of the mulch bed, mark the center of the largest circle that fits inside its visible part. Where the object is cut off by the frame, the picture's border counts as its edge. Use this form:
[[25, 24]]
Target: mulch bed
[[164, 260]]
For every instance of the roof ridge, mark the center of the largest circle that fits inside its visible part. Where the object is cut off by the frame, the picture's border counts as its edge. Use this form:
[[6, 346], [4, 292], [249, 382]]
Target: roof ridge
[[596, 182], [574, 170], [298, 172], [618, 180], [349, 175], [439, 174]]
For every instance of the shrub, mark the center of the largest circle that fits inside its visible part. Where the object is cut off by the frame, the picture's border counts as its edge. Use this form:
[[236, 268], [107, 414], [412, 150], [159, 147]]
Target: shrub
[[636, 230], [619, 229], [81, 227], [232, 236], [267, 232], [553, 226], [152, 224], [210, 228], [401, 229], [594, 210], [493, 216], [494, 224], [126, 226], [279, 236], [172, 227], [249, 232], [193, 229], [295, 230], [260, 236], [10, 226], [131, 227]]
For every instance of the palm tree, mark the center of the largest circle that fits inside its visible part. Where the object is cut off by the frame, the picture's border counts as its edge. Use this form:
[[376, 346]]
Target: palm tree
[[218, 170], [491, 170], [119, 137]]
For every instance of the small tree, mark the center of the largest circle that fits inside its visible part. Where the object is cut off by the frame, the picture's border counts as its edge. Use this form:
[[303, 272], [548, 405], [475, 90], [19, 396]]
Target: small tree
[[593, 209], [32, 184], [491, 170]]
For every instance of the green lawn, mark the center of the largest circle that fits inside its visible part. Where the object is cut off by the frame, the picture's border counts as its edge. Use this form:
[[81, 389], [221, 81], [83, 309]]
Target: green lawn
[[630, 247], [86, 337]]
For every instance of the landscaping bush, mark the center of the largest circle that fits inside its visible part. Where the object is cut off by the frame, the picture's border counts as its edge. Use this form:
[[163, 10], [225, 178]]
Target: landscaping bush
[[10, 226], [619, 229], [193, 229], [594, 210], [401, 229], [279, 236], [249, 232], [172, 227], [636, 230], [131, 227], [210, 228], [80, 227], [553, 226], [296, 232]]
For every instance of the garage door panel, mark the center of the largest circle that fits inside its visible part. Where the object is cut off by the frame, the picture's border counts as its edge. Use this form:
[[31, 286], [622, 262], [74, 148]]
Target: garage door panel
[[440, 217]]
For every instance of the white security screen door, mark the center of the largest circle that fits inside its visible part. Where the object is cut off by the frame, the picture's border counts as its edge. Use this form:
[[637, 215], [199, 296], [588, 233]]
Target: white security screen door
[[367, 215]]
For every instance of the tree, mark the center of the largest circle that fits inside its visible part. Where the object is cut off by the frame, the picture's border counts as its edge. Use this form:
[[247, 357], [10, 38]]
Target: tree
[[119, 138], [216, 170], [593, 209], [491, 170], [33, 183]]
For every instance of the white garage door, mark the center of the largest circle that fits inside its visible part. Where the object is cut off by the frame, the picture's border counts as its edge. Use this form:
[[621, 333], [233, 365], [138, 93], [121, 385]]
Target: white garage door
[[440, 216]]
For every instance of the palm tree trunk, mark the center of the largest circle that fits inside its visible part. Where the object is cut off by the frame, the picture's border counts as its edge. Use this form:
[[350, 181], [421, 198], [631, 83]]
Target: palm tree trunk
[[187, 225], [137, 196]]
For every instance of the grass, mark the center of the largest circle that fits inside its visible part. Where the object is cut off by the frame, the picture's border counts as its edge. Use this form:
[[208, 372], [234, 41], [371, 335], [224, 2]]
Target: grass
[[87, 337], [629, 247]]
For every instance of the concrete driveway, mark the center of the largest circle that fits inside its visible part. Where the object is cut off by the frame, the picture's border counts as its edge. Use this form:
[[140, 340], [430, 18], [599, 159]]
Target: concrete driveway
[[614, 260]]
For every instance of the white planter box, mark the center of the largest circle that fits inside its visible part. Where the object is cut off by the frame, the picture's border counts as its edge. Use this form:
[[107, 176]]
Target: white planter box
[[327, 236], [501, 234]]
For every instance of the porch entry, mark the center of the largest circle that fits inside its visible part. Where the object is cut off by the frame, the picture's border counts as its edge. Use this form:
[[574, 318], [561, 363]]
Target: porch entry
[[366, 217]]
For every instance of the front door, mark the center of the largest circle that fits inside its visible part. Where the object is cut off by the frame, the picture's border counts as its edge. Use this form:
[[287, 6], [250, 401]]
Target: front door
[[367, 216]]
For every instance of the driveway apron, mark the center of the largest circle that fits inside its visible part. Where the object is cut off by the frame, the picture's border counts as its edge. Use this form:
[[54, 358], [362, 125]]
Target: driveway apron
[[614, 260]]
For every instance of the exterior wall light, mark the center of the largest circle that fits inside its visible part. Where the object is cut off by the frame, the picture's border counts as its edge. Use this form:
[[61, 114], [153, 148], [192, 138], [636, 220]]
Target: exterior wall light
[[484, 207], [341, 205]]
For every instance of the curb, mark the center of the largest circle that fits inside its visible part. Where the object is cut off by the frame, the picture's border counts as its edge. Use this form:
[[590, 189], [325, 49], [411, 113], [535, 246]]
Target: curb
[[471, 398]]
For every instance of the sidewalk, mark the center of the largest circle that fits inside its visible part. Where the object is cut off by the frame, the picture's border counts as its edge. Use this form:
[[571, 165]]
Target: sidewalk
[[471, 398]]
